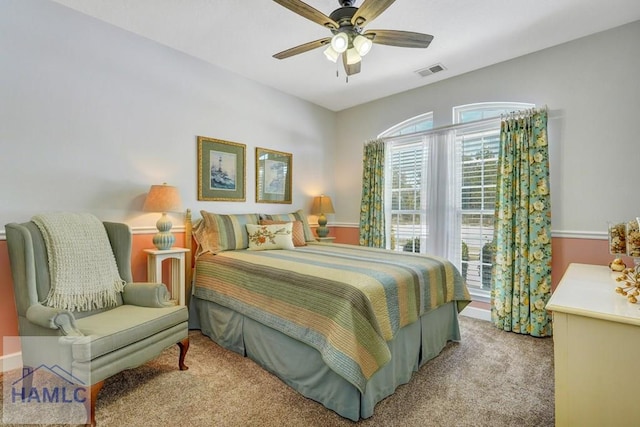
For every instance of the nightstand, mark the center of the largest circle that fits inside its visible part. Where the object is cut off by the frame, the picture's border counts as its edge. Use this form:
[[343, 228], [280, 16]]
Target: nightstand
[[325, 239], [155, 257]]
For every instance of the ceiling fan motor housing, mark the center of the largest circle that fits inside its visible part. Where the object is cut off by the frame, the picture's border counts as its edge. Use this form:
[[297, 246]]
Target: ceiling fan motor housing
[[343, 17]]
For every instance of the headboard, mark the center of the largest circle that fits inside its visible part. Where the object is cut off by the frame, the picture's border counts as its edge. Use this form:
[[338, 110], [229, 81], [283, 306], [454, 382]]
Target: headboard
[[188, 243]]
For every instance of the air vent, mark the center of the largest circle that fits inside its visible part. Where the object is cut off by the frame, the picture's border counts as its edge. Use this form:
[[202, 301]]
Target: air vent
[[431, 70]]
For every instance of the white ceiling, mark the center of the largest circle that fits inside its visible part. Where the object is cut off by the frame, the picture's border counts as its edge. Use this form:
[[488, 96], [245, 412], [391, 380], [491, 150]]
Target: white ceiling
[[242, 35]]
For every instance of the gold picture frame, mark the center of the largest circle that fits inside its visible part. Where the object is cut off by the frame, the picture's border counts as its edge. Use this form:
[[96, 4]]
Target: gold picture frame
[[221, 170], [274, 170]]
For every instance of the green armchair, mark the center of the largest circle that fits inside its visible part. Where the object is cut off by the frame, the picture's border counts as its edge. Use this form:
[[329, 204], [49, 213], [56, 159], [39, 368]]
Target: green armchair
[[97, 343]]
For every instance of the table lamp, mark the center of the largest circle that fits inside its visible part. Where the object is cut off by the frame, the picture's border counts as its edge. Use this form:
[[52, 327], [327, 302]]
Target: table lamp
[[322, 205], [163, 198]]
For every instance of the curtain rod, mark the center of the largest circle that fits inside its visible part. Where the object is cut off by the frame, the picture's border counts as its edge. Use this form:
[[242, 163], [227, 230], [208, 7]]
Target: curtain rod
[[441, 128], [458, 125]]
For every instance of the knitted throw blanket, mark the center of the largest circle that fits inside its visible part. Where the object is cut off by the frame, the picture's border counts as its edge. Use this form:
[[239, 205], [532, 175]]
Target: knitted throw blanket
[[83, 270]]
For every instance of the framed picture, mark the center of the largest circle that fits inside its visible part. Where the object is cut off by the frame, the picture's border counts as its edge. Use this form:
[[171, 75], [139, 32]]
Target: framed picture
[[273, 176], [221, 170]]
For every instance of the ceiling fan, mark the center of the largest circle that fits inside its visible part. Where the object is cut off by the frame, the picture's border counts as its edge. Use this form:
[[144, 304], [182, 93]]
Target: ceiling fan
[[349, 39]]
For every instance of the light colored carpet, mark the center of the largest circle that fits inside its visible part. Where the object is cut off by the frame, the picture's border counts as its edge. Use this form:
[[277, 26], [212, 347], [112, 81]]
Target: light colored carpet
[[491, 378]]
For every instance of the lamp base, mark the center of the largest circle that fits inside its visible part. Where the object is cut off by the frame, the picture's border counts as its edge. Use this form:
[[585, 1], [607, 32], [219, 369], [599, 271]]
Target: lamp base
[[164, 239], [322, 230]]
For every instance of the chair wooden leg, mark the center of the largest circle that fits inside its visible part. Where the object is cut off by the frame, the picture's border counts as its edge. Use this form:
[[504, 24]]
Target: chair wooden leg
[[27, 381], [184, 346], [90, 404]]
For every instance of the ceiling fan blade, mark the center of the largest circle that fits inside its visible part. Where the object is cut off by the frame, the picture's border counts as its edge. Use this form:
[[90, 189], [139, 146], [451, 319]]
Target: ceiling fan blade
[[302, 48], [369, 10], [304, 10], [350, 69], [399, 38]]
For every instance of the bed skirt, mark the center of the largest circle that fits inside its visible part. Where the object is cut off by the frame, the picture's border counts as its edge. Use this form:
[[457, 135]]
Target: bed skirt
[[301, 366]]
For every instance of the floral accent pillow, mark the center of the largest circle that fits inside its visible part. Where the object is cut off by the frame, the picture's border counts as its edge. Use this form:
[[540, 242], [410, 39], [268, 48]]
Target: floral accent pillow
[[275, 236], [297, 230]]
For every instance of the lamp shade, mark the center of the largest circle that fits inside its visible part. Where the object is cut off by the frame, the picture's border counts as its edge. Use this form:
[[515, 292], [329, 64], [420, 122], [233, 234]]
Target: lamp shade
[[362, 44], [163, 198], [322, 205], [353, 57], [331, 54], [340, 42]]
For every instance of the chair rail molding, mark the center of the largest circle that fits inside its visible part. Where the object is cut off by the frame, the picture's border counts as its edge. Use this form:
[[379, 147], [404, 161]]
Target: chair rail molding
[[567, 234], [11, 361]]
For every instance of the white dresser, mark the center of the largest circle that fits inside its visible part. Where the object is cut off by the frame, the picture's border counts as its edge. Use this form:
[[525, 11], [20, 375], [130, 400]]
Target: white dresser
[[596, 335]]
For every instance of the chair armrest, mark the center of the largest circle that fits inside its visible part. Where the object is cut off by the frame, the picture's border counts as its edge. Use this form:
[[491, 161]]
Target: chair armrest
[[53, 318], [146, 295]]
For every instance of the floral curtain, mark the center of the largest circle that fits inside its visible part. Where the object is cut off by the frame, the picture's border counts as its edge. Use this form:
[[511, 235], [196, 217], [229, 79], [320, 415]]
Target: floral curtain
[[521, 272], [372, 228]]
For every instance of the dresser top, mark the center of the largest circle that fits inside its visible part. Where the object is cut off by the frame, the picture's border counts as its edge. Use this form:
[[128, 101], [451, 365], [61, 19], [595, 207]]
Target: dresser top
[[590, 290]]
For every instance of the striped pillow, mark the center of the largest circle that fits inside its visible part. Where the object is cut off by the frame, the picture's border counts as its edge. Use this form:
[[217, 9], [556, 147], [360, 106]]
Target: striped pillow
[[293, 216], [217, 233]]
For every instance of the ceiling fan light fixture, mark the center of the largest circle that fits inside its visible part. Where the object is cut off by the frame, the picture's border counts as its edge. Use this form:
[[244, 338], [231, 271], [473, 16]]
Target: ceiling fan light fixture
[[353, 57], [331, 54], [340, 42], [362, 44]]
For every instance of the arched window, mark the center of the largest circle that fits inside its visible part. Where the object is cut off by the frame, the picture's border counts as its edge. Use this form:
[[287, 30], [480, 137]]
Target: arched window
[[440, 191], [420, 123]]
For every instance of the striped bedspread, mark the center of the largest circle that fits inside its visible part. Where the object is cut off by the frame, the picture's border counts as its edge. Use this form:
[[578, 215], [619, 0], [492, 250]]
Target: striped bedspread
[[345, 301]]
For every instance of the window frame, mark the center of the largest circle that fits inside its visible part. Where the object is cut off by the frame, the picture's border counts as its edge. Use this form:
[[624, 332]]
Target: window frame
[[405, 130]]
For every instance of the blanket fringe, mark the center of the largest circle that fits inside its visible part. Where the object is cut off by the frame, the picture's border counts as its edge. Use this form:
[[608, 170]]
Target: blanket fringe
[[84, 302]]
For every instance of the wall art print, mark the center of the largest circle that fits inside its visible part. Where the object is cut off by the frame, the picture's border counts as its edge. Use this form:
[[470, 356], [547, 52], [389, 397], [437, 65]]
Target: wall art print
[[221, 170]]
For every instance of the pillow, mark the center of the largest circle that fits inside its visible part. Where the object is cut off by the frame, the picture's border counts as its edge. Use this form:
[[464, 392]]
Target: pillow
[[275, 236], [217, 233], [297, 231], [294, 216]]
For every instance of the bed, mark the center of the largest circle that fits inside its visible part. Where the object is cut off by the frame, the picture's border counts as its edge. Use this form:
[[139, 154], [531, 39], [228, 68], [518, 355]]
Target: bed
[[343, 325]]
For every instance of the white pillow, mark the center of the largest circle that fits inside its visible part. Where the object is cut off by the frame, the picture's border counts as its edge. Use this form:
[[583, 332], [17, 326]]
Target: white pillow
[[275, 236]]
